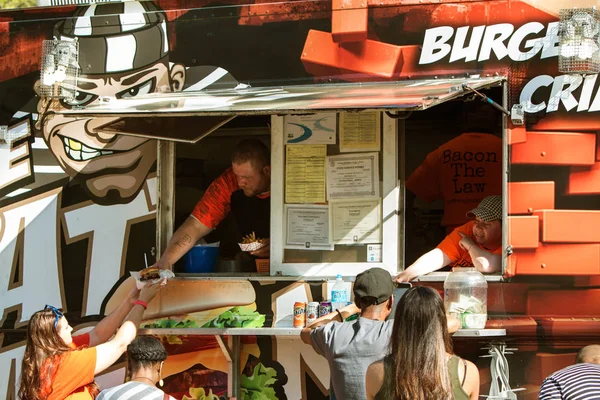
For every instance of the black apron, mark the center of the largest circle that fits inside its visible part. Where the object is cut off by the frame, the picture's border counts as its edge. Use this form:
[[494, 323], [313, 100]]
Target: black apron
[[252, 214]]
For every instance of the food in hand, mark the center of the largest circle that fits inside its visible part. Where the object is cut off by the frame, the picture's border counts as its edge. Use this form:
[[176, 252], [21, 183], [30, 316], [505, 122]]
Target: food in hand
[[149, 274], [252, 243], [251, 238]]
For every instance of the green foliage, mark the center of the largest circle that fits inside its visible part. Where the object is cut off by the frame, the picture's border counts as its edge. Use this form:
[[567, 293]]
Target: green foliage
[[259, 385], [8, 4]]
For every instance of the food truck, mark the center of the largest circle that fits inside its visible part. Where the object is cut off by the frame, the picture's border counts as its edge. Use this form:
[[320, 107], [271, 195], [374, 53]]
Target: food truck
[[117, 116]]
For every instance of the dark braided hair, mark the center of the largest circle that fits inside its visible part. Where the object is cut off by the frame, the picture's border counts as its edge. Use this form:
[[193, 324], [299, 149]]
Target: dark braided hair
[[145, 352]]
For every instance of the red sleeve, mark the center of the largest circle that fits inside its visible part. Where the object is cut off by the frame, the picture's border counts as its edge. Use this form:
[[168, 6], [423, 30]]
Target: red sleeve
[[214, 206], [424, 181], [82, 340], [450, 244]]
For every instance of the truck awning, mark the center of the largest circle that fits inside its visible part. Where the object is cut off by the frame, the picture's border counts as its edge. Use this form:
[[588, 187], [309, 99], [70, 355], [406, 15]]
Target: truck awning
[[189, 116]]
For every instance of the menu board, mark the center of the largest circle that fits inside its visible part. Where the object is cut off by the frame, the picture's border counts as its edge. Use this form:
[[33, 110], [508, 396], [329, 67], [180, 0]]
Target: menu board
[[307, 227], [353, 175], [355, 221], [305, 173]]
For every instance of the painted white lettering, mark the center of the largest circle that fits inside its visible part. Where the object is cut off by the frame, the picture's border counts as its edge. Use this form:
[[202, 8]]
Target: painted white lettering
[[10, 371], [435, 46], [560, 94], [535, 45], [586, 92], [107, 229], [530, 88], [550, 41], [493, 40], [41, 271], [469, 53], [15, 163]]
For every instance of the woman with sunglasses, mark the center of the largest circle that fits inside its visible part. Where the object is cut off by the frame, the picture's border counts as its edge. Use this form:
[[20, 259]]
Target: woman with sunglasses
[[59, 366], [420, 364]]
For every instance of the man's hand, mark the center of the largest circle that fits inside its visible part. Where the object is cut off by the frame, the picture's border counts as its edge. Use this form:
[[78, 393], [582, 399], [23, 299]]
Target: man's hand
[[466, 242], [263, 252], [403, 276], [161, 264]]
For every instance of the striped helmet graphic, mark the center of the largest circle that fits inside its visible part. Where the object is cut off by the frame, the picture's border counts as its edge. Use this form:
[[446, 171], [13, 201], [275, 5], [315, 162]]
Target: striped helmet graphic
[[117, 37]]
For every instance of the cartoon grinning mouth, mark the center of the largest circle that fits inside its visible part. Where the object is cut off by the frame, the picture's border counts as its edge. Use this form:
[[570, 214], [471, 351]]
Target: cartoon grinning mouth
[[78, 151]]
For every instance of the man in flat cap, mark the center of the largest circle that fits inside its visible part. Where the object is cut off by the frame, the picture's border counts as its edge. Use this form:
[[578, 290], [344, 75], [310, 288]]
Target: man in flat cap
[[478, 243]]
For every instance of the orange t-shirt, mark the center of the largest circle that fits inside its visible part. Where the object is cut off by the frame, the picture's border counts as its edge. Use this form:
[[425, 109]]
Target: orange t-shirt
[[462, 172], [459, 257], [75, 371], [215, 204]]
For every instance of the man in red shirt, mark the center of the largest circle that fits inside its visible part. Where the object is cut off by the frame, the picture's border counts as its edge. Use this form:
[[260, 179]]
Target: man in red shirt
[[477, 243], [243, 189]]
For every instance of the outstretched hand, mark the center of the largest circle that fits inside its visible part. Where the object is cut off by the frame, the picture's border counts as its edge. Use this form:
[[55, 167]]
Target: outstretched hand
[[465, 242]]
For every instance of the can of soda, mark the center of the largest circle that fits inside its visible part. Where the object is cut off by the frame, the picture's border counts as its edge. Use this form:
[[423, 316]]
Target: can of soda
[[299, 314], [325, 308], [312, 312]]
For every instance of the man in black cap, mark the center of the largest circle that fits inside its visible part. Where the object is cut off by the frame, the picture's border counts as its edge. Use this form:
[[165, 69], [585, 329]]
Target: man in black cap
[[351, 347], [478, 243]]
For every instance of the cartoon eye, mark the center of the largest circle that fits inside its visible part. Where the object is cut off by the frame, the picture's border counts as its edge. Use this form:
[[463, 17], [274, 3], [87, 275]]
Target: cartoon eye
[[137, 90], [81, 99]]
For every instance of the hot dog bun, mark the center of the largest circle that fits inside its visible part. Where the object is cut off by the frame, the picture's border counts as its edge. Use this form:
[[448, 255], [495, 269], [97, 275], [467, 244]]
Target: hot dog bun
[[185, 296]]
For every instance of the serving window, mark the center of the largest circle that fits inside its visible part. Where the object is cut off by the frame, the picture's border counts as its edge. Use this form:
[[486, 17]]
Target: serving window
[[334, 194]]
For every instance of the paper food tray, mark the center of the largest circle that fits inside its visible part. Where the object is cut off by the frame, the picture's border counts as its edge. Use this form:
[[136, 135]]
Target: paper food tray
[[164, 273]]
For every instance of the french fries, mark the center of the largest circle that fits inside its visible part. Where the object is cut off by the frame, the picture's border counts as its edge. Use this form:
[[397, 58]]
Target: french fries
[[251, 238]]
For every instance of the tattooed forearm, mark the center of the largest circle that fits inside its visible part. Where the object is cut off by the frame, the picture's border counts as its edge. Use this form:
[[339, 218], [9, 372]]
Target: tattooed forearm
[[183, 241]]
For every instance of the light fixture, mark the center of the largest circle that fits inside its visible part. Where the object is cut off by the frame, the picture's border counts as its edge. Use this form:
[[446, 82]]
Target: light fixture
[[579, 46], [59, 68]]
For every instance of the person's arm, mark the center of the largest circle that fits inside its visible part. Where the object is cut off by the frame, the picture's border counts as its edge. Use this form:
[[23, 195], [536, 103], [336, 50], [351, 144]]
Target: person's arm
[[550, 390], [109, 352], [374, 379], [428, 262], [453, 323], [182, 241], [107, 327], [485, 261], [344, 313], [471, 385]]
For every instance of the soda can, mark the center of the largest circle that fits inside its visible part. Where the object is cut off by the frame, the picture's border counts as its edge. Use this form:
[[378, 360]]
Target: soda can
[[312, 312], [299, 314], [325, 308]]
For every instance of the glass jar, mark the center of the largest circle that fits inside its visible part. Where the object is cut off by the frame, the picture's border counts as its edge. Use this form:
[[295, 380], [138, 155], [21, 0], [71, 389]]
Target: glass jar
[[465, 297]]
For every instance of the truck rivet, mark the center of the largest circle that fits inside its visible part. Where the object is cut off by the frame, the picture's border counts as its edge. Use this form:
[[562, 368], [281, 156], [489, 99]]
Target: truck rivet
[[530, 210], [543, 265], [543, 154]]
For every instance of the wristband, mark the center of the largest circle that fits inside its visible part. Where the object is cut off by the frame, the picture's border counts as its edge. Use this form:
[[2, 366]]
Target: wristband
[[141, 303], [340, 314]]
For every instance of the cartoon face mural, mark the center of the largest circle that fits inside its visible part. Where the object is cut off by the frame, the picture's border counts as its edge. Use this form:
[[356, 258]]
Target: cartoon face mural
[[113, 62]]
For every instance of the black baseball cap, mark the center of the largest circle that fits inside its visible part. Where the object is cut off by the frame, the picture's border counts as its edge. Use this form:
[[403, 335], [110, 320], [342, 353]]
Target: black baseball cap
[[376, 283]]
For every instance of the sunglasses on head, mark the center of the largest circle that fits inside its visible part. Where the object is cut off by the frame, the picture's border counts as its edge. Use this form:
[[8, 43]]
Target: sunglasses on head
[[57, 314]]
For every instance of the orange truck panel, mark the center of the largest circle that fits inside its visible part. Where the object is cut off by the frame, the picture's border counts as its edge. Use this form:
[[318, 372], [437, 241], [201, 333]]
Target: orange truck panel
[[527, 197], [565, 302], [545, 364], [523, 232], [584, 180], [569, 226], [368, 57], [517, 134], [559, 259], [349, 20], [555, 148]]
